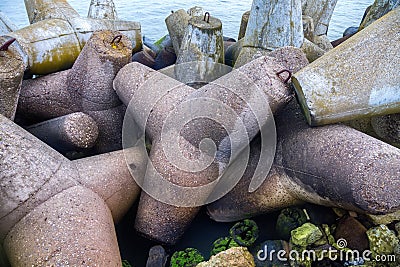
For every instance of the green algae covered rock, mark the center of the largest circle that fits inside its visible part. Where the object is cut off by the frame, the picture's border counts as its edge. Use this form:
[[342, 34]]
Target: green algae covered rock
[[382, 243], [189, 257], [306, 235], [245, 232], [222, 244], [126, 263], [288, 220]]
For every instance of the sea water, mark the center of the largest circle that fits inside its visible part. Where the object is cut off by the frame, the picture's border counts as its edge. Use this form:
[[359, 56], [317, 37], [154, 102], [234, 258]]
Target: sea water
[[152, 13]]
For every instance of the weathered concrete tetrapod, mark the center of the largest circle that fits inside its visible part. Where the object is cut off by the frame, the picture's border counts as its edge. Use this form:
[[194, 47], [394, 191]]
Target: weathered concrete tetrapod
[[232, 52], [11, 75], [86, 87], [321, 12], [386, 127], [333, 165], [145, 58], [6, 25], [202, 43], [343, 85], [272, 24], [39, 10], [54, 210], [308, 27], [239, 203], [243, 24], [312, 51], [196, 11], [66, 133], [166, 57], [176, 24], [53, 44], [102, 9], [164, 98], [378, 9]]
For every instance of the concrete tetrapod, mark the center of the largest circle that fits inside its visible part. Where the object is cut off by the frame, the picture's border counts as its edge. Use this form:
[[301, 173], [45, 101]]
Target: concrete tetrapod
[[6, 25], [11, 75], [272, 24], [196, 11], [378, 9], [183, 159], [86, 87], [176, 24], [243, 24], [53, 44], [333, 165], [321, 12], [102, 9], [56, 211], [202, 43], [386, 127], [337, 88], [39, 10], [66, 133]]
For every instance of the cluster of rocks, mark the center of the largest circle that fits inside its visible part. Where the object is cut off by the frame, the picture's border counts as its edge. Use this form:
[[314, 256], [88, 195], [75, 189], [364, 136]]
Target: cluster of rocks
[[65, 179], [303, 238]]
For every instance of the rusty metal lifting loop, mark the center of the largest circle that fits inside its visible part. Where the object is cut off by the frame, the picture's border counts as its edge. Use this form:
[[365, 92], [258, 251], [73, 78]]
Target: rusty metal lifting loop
[[7, 44], [116, 39], [207, 15], [288, 72]]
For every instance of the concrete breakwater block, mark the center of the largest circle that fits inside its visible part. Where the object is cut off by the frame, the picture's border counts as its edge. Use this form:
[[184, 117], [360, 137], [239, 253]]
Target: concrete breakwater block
[[79, 232], [339, 165], [176, 24], [387, 127], [239, 203], [6, 25], [66, 133], [337, 88], [378, 9], [243, 24], [39, 10], [321, 12], [48, 200], [36, 94], [11, 75], [86, 87], [270, 30], [272, 24], [346, 173], [102, 9], [202, 41], [57, 36], [163, 219]]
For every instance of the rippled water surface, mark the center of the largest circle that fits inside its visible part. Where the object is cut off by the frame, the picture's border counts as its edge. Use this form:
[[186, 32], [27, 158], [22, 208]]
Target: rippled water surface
[[151, 13]]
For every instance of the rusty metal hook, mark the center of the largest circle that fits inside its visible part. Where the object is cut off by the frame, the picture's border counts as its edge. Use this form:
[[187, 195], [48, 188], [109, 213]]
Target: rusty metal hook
[[207, 14], [288, 72], [116, 39], [7, 44]]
